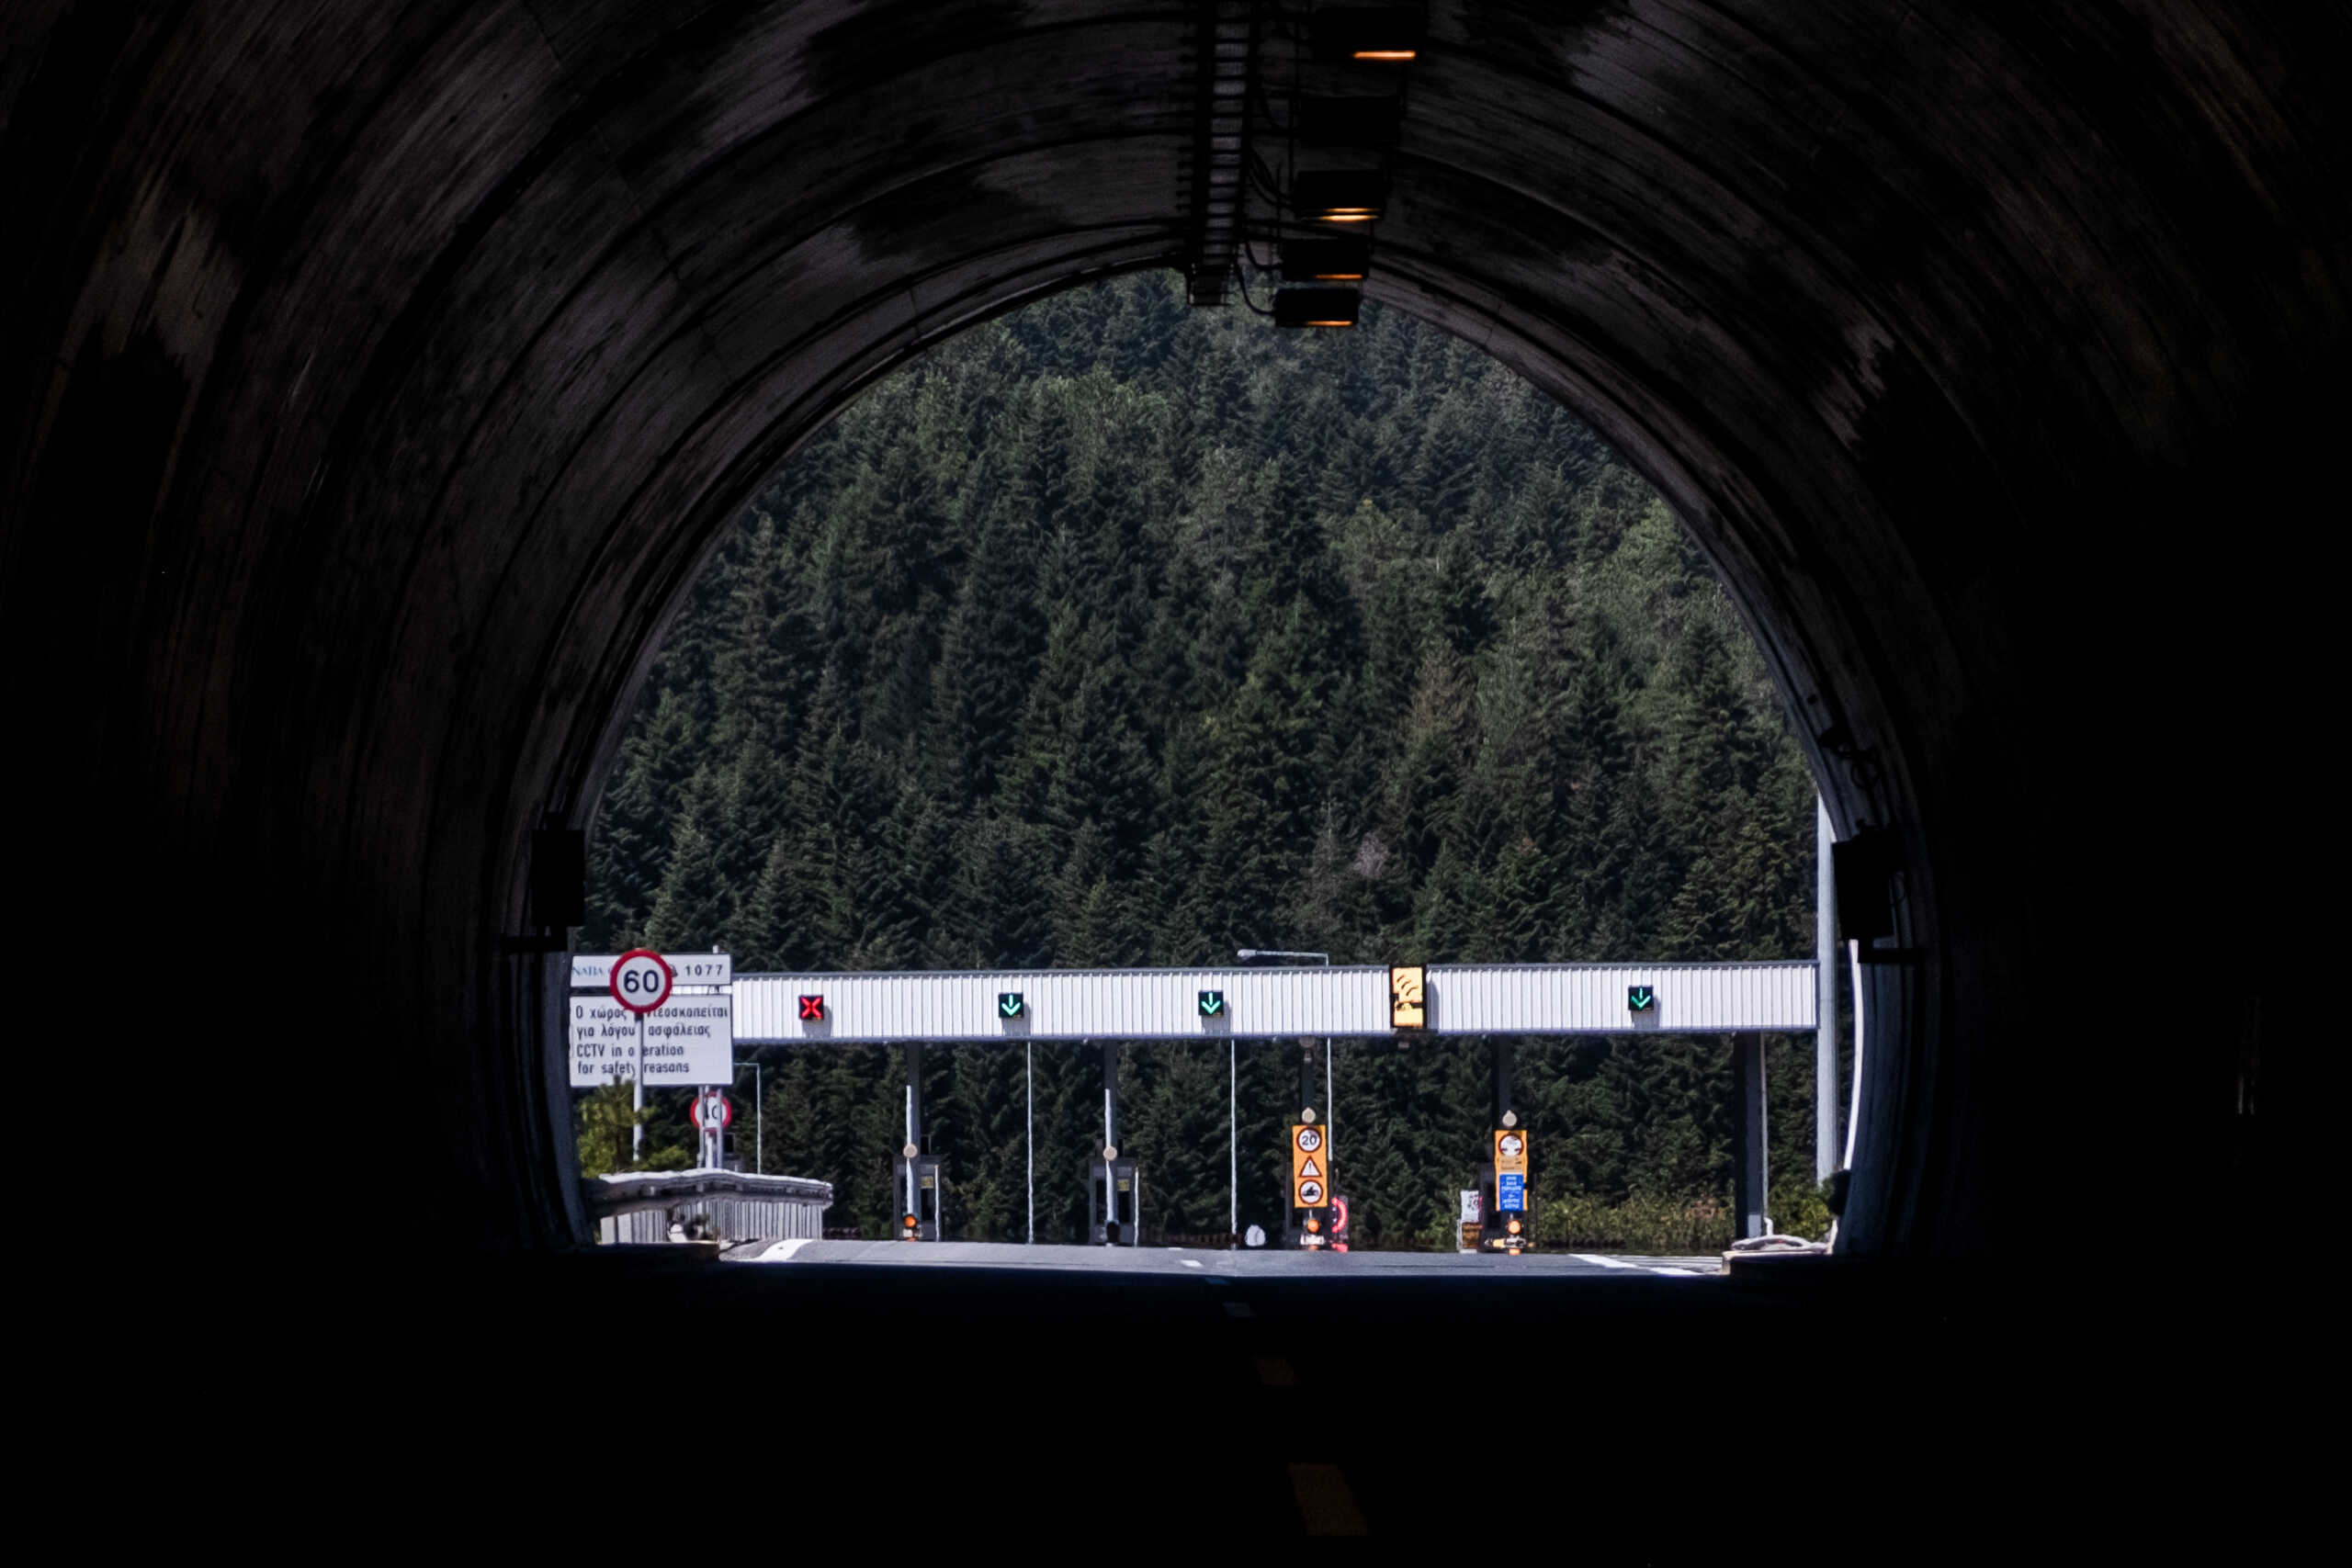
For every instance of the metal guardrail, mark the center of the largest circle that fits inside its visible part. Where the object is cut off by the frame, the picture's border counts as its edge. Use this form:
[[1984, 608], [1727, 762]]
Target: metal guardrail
[[642, 1205]]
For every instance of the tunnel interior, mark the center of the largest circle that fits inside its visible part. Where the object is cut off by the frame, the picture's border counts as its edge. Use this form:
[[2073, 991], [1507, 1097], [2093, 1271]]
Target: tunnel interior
[[377, 379]]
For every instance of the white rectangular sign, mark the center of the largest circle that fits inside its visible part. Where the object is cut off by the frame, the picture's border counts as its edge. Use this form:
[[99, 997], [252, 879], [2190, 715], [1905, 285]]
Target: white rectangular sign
[[593, 972], [688, 1040]]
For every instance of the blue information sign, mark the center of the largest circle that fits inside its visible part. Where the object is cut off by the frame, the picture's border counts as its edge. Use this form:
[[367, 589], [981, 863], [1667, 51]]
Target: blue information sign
[[1510, 1192]]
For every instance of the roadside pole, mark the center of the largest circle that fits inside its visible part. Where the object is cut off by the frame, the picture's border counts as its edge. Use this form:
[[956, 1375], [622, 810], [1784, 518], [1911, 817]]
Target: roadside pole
[[1233, 1136], [640, 980], [1854, 1107], [1329, 1118], [1029, 1126], [1825, 959], [759, 1117]]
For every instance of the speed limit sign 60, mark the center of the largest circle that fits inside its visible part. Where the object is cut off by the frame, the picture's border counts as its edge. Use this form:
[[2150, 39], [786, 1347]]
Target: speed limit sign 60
[[641, 981]]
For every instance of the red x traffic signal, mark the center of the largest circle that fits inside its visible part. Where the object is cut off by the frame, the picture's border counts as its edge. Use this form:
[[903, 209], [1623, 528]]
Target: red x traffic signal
[[812, 1007]]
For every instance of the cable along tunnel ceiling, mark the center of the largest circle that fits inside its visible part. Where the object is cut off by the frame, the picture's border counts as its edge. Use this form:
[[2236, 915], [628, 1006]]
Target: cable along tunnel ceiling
[[380, 374]]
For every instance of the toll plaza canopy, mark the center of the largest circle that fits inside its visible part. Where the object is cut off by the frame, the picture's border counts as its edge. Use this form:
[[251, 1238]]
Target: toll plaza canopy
[[1346, 1001], [374, 379]]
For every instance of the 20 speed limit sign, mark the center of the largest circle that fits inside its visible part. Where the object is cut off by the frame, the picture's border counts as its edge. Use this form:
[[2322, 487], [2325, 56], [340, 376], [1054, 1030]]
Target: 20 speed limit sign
[[641, 980]]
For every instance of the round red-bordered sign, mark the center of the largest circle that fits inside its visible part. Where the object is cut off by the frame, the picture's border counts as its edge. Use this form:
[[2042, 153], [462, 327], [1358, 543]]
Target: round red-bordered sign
[[641, 979], [726, 1112]]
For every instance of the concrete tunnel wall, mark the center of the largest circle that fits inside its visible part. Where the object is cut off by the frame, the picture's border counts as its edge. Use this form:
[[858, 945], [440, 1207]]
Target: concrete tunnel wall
[[376, 378]]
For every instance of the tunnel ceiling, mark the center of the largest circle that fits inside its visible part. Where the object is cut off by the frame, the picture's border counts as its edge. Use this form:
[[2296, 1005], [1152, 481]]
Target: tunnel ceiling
[[376, 377]]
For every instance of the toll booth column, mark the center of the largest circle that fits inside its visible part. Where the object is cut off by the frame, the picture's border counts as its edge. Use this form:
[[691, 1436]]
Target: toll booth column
[[1510, 1227], [1310, 1182]]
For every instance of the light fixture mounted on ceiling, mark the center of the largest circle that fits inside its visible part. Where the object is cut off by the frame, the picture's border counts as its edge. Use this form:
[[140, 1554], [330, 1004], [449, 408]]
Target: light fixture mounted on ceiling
[[1316, 307], [1321, 259], [1339, 195], [1378, 35]]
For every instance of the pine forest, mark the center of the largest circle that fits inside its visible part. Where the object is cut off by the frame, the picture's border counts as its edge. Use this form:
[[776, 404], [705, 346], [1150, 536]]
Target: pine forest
[[1115, 634]]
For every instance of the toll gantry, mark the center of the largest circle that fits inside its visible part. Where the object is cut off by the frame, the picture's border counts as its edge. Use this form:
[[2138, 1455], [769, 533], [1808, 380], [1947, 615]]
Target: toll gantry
[[1500, 1003]]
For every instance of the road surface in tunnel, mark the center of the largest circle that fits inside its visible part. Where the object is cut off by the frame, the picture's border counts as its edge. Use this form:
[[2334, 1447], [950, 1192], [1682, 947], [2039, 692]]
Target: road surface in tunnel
[[1255, 1263], [1570, 1400]]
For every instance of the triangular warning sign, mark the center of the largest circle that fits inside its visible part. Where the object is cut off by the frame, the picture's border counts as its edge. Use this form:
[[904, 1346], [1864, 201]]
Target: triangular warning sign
[[1310, 1168]]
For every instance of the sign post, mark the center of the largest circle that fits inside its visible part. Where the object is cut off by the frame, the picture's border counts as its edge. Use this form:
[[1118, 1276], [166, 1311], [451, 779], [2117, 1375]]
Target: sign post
[[641, 982], [1511, 1186], [1310, 1172], [713, 1115]]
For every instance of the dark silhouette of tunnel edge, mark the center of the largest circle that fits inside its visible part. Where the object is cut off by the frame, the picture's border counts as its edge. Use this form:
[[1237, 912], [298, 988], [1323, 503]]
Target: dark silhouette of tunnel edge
[[378, 388]]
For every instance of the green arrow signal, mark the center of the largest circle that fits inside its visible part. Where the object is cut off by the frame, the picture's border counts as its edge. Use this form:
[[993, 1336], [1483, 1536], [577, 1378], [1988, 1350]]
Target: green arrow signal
[[1009, 1004], [1641, 996], [1212, 1003]]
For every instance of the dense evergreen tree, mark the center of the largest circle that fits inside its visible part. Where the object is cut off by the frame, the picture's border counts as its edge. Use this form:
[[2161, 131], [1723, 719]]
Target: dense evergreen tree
[[1112, 634]]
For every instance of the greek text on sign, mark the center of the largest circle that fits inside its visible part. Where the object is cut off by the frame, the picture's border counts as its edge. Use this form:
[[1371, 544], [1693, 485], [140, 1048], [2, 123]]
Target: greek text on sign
[[688, 1040], [593, 972]]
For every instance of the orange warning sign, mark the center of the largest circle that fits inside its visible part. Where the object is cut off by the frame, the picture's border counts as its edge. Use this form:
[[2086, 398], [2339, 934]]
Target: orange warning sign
[[1510, 1151], [1407, 997], [1310, 1158]]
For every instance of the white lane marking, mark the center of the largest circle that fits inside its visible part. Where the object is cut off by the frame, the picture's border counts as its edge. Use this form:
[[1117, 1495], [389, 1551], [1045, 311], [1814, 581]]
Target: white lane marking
[[782, 1251], [1681, 1273], [1188, 1263], [1604, 1262]]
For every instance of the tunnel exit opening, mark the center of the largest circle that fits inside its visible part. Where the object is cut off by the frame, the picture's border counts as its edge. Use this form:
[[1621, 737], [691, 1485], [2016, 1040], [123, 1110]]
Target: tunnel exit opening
[[376, 408], [911, 555]]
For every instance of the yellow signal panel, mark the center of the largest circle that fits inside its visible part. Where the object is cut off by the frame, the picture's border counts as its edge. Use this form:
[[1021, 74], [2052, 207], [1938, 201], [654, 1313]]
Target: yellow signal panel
[[1407, 997], [1310, 1167]]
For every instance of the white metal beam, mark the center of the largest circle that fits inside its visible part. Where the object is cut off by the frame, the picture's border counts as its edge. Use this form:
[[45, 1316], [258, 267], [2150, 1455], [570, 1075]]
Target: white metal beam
[[1341, 1002]]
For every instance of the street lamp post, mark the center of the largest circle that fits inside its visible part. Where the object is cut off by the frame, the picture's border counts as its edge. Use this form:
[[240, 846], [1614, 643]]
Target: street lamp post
[[759, 1117]]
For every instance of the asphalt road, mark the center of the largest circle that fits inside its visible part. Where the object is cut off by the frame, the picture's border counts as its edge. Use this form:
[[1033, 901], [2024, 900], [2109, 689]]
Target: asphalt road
[[1286, 1263], [1144, 1400]]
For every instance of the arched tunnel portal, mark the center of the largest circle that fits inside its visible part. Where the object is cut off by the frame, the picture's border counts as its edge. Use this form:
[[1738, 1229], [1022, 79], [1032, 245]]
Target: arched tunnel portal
[[378, 376]]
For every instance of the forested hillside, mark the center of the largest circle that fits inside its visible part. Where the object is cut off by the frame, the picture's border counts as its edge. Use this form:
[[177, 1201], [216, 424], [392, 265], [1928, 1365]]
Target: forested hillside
[[1116, 634]]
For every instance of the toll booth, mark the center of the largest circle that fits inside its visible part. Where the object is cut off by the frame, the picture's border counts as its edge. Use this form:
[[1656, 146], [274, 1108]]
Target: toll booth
[[1494, 1232], [1301, 1238], [927, 1179], [1509, 1191], [1115, 1198]]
